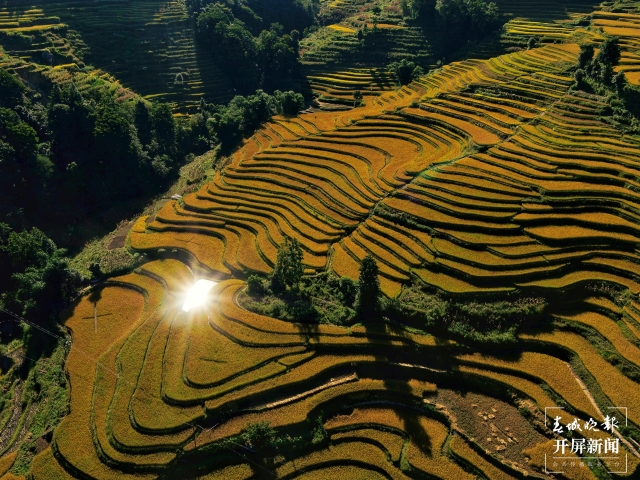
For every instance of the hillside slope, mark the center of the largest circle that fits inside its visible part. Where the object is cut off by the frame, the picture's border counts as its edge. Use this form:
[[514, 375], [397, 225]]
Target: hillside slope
[[488, 181], [149, 45], [462, 181]]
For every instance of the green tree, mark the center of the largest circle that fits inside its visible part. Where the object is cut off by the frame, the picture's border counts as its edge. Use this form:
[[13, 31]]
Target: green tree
[[295, 41], [609, 53], [164, 125], [252, 56], [463, 20], [289, 269], [254, 285], [421, 8], [143, 122], [349, 290], [376, 17], [620, 81], [231, 44], [579, 76], [405, 71], [277, 58], [22, 138], [95, 270], [36, 277], [11, 89], [586, 55], [289, 102], [243, 114], [357, 98], [262, 438], [368, 305], [606, 74]]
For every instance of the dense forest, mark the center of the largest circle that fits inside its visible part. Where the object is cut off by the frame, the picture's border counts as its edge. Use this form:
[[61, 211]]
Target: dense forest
[[255, 45], [458, 21]]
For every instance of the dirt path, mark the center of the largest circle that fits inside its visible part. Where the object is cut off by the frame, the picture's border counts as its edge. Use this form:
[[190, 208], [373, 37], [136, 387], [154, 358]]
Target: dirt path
[[595, 405], [332, 383]]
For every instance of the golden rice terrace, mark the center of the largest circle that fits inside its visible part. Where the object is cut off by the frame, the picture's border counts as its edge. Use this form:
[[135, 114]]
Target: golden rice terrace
[[484, 179]]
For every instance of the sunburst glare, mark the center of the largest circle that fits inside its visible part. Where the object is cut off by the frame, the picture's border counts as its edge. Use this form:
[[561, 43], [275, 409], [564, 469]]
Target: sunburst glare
[[197, 294]]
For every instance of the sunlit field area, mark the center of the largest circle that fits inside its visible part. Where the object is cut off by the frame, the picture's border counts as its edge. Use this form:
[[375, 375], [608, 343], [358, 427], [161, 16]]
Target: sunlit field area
[[411, 258]]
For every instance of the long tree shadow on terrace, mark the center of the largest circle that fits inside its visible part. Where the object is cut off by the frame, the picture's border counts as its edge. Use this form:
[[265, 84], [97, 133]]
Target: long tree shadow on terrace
[[400, 376]]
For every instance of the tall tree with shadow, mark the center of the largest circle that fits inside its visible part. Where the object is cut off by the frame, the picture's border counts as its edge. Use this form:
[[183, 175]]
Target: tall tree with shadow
[[368, 307]]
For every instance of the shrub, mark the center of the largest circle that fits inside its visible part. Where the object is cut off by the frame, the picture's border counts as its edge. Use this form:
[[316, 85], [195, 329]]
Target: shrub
[[484, 322], [318, 433], [405, 71], [320, 299], [255, 286], [260, 436], [289, 102]]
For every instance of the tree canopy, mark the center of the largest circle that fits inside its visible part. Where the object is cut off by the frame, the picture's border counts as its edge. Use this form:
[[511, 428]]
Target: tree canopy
[[11, 90], [35, 279], [91, 145], [288, 270], [266, 60], [368, 305], [609, 53], [229, 124], [459, 21], [586, 55], [469, 18], [257, 15], [405, 71]]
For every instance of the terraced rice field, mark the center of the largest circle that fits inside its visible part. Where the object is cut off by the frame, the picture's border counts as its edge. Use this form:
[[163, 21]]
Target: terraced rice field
[[549, 11], [626, 26], [486, 177], [141, 353], [547, 22], [158, 324], [338, 47], [148, 45], [483, 179], [556, 23], [340, 181], [166, 381], [338, 87]]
